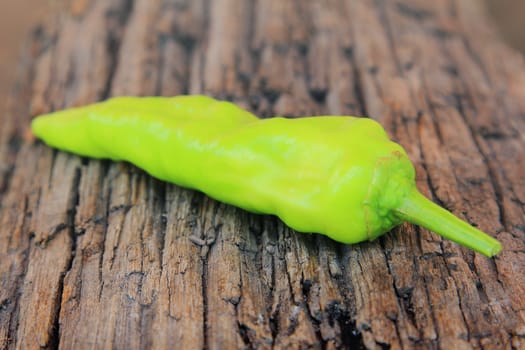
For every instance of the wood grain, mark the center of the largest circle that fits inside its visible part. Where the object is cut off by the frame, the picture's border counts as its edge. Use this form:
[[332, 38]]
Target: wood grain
[[97, 254]]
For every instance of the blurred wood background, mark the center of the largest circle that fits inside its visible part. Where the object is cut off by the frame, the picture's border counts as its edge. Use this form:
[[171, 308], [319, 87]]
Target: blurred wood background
[[19, 17], [96, 254]]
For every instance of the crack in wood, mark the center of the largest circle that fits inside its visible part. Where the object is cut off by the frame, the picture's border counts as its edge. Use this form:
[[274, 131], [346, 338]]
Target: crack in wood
[[204, 281], [54, 339], [114, 41], [358, 82], [8, 168], [306, 286]]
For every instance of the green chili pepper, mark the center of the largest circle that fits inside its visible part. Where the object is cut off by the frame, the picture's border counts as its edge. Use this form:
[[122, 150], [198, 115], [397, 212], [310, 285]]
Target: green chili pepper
[[339, 176]]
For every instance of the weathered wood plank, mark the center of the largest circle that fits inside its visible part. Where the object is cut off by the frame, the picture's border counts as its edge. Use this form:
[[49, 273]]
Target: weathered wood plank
[[99, 254]]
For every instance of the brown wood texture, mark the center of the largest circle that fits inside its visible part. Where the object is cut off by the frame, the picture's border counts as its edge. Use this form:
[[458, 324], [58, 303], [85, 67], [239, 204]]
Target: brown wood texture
[[97, 254]]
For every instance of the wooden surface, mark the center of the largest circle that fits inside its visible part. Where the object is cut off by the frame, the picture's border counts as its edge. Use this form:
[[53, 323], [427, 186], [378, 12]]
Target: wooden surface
[[96, 254]]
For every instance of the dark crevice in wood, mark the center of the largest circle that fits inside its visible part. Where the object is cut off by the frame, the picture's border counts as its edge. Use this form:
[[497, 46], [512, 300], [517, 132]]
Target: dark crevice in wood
[[246, 333], [405, 295], [6, 179], [205, 275], [295, 308], [114, 41], [186, 41], [54, 154], [383, 346], [358, 81], [144, 339], [54, 339], [58, 229], [340, 311], [107, 204], [351, 337], [345, 284], [306, 286], [124, 208], [318, 95], [274, 323], [70, 82], [431, 186], [163, 225], [204, 282], [411, 11], [14, 143], [170, 293], [441, 33], [271, 250], [113, 211], [497, 135], [432, 113]]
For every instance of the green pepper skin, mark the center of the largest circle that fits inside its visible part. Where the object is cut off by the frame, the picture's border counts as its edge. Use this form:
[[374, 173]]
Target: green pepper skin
[[339, 176]]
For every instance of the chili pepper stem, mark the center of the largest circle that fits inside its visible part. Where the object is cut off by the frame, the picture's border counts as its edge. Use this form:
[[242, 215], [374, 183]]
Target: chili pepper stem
[[419, 210]]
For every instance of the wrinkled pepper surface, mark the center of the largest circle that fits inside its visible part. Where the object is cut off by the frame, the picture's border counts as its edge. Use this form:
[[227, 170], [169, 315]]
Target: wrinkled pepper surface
[[336, 175]]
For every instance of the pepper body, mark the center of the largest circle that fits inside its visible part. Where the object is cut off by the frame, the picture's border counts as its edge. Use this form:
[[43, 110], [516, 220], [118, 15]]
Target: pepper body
[[339, 176]]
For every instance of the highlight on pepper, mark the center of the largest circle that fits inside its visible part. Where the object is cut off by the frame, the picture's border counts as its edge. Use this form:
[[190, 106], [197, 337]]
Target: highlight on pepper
[[339, 176]]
